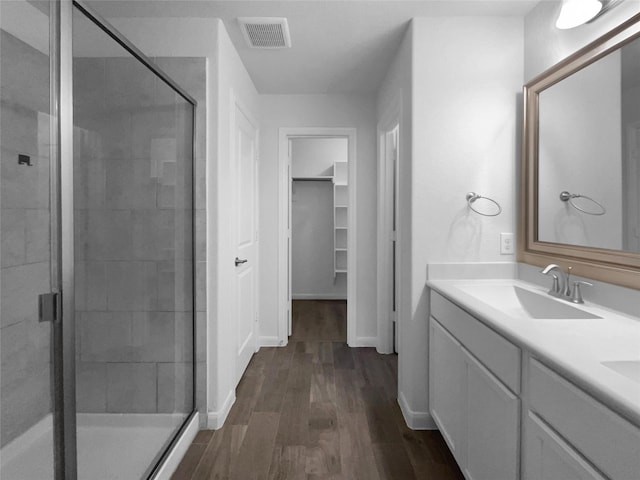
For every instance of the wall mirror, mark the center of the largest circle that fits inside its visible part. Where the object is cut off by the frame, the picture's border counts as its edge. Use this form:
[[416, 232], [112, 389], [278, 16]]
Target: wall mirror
[[580, 189]]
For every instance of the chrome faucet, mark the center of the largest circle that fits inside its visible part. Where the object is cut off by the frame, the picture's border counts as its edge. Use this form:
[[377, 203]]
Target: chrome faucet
[[565, 291], [556, 290]]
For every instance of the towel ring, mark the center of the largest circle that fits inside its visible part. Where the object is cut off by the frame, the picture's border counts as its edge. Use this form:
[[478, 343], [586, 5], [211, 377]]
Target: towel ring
[[472, 197], [568, 197]]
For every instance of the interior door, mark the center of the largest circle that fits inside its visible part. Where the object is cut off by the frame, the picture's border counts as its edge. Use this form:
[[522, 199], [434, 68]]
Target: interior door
[[246, 239]]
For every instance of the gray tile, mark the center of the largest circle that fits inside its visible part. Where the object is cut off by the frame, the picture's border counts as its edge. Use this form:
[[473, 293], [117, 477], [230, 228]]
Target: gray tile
[[201, 286], [128, 83], [105, 336], [13, 236], [37, 235], [201, 336], [24, 186], [24, 82], [175, 387], [109, 235], [131, 286], [89, 173], [166, 196], [201, 234], [20, 129], [131, 387], [115, 130], [168, 295], [91, 292], [88, 85], [21, 286], [161, 337], [153, 234], [130, 183], [91, 387], [201, 190]]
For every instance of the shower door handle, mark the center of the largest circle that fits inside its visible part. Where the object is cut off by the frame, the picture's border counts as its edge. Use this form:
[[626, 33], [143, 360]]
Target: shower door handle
[[240, 262]]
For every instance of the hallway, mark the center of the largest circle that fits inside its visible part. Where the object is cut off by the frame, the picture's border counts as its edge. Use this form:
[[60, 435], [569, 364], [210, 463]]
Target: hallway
[[317, 409]]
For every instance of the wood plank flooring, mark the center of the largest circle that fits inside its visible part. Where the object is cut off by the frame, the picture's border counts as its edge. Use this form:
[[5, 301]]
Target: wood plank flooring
[[317, 409]]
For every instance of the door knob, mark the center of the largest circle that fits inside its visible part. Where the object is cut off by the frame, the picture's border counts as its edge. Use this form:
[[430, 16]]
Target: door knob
[[240, 262]]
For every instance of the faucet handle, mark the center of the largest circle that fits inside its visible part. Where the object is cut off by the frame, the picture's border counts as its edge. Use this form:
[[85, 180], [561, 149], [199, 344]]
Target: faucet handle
[[577, 294]]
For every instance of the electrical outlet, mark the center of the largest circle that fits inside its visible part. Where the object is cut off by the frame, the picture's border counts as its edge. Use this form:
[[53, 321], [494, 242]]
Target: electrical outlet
[[507, 246]]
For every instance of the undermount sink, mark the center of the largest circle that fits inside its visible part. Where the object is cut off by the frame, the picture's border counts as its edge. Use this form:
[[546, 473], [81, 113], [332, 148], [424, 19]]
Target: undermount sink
[[626, 368], [518, 301]]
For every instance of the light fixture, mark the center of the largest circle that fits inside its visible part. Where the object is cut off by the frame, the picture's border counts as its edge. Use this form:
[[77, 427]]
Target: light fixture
[[577, 12]]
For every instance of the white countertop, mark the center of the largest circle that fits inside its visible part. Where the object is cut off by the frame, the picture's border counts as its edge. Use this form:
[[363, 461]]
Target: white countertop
[[575, 348]]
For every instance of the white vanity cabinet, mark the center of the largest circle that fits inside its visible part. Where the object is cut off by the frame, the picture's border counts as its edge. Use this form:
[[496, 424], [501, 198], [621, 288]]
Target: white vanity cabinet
[[506, 414], [478, 414]]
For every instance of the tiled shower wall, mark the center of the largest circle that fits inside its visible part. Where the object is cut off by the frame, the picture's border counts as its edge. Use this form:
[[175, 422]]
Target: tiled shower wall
[[133, 303], [25, 375]]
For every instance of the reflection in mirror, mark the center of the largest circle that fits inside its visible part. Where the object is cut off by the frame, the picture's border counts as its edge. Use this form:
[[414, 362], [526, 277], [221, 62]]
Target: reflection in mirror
[[589, 155]]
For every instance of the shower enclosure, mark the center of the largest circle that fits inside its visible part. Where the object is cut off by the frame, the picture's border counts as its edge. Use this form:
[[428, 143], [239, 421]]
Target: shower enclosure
[[97, 310]]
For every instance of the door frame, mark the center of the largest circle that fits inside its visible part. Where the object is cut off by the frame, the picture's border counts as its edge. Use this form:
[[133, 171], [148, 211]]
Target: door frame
[[388, 122], [284, 208]]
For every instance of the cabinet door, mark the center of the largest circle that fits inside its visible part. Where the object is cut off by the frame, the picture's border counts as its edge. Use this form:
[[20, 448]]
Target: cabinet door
[[446, 386], [492, 426], [548, 457]]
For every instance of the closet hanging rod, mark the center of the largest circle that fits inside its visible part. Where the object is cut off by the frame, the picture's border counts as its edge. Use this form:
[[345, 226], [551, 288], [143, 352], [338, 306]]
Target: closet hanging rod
[[313, 179]]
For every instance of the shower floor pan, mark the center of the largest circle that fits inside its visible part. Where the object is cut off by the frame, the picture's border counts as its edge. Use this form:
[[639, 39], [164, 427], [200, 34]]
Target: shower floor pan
[[110, 447]]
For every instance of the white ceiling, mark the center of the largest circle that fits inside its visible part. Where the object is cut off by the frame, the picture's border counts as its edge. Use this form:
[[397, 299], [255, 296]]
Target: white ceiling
[[338, 46]]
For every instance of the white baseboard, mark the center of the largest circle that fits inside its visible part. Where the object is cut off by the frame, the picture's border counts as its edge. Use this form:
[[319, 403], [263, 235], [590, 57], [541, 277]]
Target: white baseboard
[[270, 342], [318, 296], [364, 342], [174, 458], [215, 420], [415, 420]]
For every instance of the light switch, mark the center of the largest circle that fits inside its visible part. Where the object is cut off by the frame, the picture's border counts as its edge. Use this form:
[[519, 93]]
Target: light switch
[[507, 246]]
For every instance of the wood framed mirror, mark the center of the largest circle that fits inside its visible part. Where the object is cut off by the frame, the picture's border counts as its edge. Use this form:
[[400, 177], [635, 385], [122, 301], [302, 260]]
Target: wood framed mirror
[[580, 173]]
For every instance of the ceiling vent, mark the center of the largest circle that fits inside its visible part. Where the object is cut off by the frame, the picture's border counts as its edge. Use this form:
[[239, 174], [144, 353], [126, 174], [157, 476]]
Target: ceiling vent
[[265, 32]]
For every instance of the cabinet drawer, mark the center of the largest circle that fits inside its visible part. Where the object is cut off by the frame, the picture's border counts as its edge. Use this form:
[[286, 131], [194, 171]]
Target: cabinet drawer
[[610, 442], [500, 356], [548, 457]]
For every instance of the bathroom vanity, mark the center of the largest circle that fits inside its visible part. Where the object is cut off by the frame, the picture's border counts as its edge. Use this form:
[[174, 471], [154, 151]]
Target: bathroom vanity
[[524, 385]]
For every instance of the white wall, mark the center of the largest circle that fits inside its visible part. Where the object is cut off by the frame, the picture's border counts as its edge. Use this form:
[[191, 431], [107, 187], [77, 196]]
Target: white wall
[[226, 77], [315, 156], [395, 97], [348, 111], [465, 82]]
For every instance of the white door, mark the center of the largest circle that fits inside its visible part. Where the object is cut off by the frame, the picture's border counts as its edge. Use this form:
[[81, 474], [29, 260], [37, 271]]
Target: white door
[[246, 260]]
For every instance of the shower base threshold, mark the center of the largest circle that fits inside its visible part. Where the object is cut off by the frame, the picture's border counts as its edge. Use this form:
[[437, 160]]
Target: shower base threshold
[[111, 446]]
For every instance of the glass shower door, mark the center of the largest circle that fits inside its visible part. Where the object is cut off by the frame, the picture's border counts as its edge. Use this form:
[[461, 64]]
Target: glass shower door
[[133, 153], [28, 258]]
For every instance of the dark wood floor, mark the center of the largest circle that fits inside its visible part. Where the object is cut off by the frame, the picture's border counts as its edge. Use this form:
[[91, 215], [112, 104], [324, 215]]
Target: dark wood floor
[[317, 409]]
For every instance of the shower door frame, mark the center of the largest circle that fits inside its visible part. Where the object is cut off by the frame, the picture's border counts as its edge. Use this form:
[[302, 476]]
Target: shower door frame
[[64, 336]]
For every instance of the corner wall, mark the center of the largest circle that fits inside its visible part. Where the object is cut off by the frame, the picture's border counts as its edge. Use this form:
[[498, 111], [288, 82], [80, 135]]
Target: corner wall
[[466, 81]]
